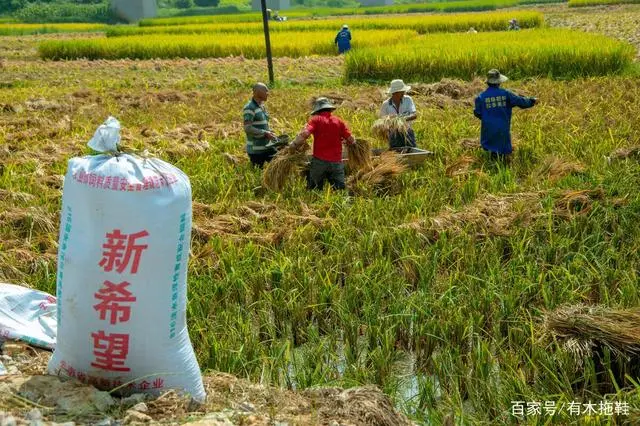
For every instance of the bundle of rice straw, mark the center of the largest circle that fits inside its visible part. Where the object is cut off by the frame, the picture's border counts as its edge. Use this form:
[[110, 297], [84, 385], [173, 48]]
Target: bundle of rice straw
[[359, 154], [379, 176], [582, 329], [288, 162], [389, 125]]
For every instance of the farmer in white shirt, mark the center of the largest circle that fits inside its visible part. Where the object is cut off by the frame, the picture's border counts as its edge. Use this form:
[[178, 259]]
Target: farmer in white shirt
[[402, 105]]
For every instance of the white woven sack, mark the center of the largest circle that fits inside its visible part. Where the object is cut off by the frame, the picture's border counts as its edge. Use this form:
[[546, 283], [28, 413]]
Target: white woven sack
[[121, 289]]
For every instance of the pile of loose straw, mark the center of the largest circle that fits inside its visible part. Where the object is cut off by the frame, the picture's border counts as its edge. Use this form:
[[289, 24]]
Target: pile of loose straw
[[359, 154], [379, 176]]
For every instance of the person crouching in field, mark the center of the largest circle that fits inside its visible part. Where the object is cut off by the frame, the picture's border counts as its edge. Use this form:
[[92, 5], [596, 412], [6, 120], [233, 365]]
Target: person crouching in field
[[256, 127], [402, 105], [328, 133], [493, 107]]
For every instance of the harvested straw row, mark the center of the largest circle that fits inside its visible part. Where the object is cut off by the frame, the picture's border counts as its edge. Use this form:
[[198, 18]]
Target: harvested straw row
[[583, 328], [555, 168], [491, 215], [288, 162]]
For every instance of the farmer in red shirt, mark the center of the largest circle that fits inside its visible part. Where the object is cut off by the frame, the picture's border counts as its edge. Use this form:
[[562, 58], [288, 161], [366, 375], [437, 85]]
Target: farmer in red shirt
[[328, 133]]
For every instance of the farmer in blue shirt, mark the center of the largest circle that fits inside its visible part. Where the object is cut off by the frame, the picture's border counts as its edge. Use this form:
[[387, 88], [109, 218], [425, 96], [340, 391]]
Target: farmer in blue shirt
[[493, 108], [343, 39]]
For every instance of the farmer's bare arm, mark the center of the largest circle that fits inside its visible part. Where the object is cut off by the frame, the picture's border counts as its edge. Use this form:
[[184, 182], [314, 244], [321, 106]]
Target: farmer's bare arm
[[411, 117], [302, 137]]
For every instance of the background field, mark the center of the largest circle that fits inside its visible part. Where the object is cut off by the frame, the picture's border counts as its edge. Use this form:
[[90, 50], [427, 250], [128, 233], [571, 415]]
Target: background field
[[435, 293]]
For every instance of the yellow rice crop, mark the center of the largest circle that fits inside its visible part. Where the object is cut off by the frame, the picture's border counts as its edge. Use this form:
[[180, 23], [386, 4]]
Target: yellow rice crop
[[25, 29], [581, 3], [548, 52], [494, 21], [197, 46]]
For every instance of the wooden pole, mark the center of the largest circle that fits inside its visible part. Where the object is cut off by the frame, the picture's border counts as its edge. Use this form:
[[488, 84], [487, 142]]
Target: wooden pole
[[265, 24]]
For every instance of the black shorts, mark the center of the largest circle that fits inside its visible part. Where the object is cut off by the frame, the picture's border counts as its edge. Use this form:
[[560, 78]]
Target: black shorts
[[258, 160]]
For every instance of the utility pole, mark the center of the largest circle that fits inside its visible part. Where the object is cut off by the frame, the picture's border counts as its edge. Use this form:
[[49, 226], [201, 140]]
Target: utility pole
[[265, 24]]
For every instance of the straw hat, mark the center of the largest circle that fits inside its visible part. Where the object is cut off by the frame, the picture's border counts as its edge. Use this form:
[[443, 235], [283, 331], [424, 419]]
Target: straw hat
[[398, 86], [494, 77], [345, 26], [322, 104]]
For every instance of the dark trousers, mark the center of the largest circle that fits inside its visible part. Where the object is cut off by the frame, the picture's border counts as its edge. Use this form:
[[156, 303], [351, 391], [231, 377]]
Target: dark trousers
[[398, 140], [321, 170], [258, 160]]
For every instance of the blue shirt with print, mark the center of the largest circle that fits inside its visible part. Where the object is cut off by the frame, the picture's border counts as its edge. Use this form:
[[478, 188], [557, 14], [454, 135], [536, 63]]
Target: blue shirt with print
[[343, 39], [493, 107]]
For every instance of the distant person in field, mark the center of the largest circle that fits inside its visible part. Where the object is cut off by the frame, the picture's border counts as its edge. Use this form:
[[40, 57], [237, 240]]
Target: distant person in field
[[343, 39], [329, 132], [402, 105], [256, 127], [472, 31], [513, 25], [493, 107]]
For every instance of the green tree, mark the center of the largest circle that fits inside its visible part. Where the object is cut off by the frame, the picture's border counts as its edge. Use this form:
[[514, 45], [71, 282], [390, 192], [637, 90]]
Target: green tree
[[184, 4], [207, 3], [11, 5]]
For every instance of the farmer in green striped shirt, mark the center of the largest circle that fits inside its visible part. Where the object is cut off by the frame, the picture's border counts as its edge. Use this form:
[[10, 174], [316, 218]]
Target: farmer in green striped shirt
[[256, 127]]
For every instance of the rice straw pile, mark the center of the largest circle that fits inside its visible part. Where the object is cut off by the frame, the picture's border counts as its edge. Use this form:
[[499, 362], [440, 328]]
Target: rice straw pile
[[385, 127], [379, 176], [572, 203], [359, 154], [487, 216], [555, 168], [622, 153], [288, 162], [582, 328]]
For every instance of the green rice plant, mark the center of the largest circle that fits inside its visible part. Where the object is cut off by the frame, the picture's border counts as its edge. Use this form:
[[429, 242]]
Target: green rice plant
[[494, 21], [196, 46], [549, 52], [15, 29], [584, 3]]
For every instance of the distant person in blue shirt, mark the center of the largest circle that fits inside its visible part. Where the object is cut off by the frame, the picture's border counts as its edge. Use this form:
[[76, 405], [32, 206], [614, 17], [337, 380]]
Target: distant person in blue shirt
[[343, 39], [493, 107]]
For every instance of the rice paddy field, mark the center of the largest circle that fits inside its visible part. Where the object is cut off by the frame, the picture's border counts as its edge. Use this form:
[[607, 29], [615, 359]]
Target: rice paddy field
[[419, 23], [15, 29], [466, 287]]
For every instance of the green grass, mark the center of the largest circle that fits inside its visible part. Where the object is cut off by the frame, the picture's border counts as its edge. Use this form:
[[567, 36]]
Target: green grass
[[527, 53]]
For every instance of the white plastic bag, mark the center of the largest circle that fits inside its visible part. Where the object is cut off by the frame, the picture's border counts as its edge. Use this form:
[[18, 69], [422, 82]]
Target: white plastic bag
[[107, 137], [122, 271], [27, 315]]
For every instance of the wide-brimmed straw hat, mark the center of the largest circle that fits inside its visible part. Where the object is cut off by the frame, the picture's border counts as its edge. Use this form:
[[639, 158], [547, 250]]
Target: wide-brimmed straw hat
[[398, 86], [345, 26], [322, 104], [494, 77]]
